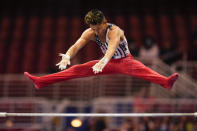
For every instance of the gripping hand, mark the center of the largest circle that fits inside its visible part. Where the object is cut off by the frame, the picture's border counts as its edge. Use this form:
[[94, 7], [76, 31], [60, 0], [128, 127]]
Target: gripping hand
[[64, 62]]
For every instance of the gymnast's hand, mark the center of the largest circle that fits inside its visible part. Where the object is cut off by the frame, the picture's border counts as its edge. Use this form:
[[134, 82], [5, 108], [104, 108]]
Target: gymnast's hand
[[64, 62], [98, 67]]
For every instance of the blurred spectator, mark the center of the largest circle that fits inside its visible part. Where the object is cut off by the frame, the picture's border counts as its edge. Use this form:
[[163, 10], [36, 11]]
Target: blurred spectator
[[127, 125], [134, 49], [97, 124], [192, 54], [164, 125], [170, 54], [195, 125], [144, 123], [70, 129], [159, 124], [149, 51], [151, 126], [172, 127], [144, 102]]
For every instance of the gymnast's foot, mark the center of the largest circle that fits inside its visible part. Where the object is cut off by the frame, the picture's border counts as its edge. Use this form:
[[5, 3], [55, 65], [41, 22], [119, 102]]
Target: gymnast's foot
[[171, 81], [33, 78]]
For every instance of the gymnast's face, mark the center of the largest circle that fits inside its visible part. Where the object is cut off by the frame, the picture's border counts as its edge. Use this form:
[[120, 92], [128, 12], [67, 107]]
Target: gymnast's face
[[99, 28]]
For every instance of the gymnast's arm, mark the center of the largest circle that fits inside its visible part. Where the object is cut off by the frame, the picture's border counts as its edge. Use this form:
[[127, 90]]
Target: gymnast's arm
[[114, 38], [86, 36]]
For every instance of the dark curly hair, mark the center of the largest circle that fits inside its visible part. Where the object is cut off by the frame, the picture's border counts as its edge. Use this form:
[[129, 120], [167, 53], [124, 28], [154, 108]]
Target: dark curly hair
[[94, 17]]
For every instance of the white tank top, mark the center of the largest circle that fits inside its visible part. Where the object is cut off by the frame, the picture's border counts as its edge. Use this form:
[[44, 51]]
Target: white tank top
[[122, 49]]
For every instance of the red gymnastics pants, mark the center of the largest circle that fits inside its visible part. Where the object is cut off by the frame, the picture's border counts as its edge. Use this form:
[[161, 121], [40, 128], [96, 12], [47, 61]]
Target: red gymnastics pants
[[127, 66]]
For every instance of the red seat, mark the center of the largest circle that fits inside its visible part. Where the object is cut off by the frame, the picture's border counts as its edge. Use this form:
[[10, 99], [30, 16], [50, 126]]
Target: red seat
[[5, 25], [180, 27], [29, 57], [75, 29], [43, 62], [62, 22], [135, 29], [150, 27], [181, 31], [3, 57], [121, 22], [166, 31], [13, 58], [194, 22], [32, 28]]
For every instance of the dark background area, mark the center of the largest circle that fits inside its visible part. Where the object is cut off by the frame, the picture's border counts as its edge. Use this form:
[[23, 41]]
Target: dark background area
[[33, 32], [80, 7]]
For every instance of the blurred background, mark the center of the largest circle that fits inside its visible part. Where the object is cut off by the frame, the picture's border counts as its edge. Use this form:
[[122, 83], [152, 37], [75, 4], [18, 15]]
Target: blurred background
[[161, 34]]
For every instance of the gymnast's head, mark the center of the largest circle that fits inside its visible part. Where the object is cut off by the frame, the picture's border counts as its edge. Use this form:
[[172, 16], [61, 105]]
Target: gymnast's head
[[96, 20]]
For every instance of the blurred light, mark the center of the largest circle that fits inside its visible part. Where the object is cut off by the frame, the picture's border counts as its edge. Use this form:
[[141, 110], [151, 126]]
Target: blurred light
[[76, 122]]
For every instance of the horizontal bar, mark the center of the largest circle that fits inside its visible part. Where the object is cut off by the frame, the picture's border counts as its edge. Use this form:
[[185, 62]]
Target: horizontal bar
[[4, 114]]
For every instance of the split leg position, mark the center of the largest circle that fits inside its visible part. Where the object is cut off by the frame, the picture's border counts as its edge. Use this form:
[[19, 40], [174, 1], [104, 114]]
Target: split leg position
[[128, 66]]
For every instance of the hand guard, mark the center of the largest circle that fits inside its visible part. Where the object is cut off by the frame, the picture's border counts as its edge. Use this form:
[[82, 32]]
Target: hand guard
[[64, 62], [98, 67]]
